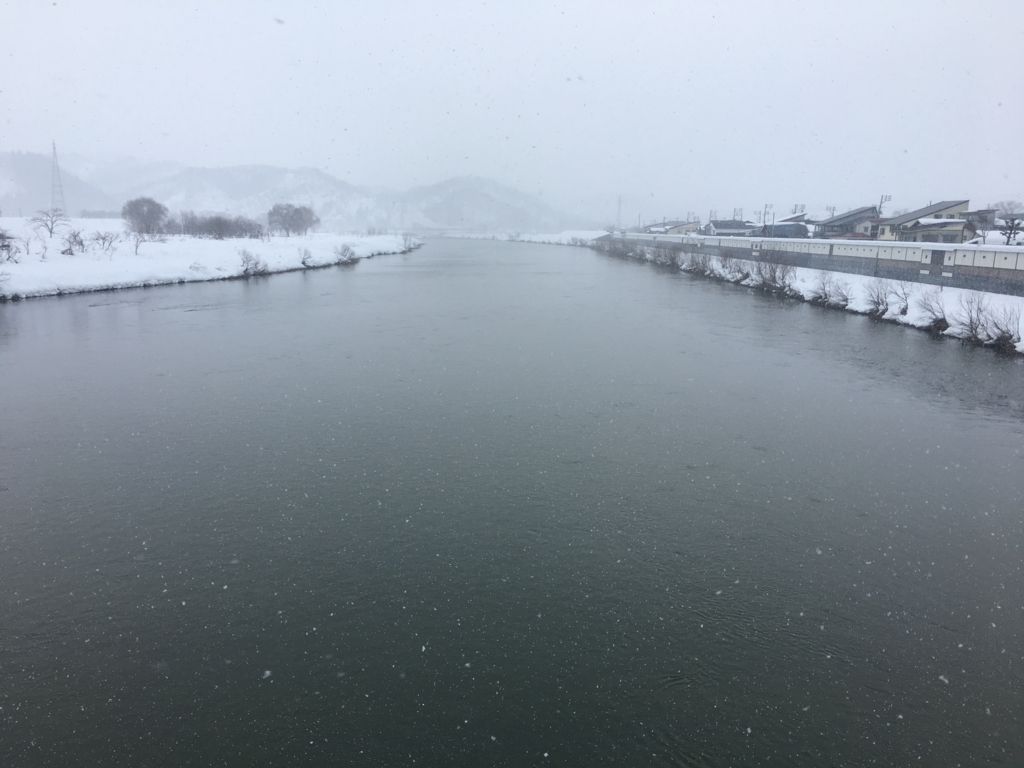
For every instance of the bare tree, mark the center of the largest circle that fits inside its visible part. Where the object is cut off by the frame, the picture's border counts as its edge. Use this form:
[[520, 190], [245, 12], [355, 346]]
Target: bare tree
[[843, 293], [252, 265], [280, 218], [343, 254], [878, 297], [983, 226], [292, 218], [1012, 214], [774, 276], [901, 291], [136, 239], [104, 241], [823, 288], [8, 247], [72, 241], [144, 215], [25, 242], [50, 220], [700, 263], [1004, 327], [934, 310]]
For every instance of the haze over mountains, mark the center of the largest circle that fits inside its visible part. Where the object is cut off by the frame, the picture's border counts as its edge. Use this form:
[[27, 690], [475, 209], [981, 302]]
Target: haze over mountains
[[466, 203]]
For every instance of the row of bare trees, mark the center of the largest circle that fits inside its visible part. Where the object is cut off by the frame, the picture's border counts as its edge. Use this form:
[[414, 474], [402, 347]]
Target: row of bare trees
[[768, 274], [974, 319], [146, 216]]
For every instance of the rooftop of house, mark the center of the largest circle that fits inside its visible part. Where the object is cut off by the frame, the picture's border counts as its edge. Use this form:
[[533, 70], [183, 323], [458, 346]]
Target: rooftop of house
[[925, 212], [926, 222], [856, 214], [785, 229], [731, 224], [666, 224]]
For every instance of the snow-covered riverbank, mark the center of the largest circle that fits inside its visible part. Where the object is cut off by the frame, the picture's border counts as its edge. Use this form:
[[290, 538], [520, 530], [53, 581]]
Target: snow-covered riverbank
[[34, 265], [974, 316]]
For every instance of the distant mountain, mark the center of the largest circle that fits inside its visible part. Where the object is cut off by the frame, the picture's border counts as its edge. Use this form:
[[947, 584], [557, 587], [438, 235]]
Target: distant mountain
[[120, 175], [252, 190], [472, 203], [25, 187], [467, 203]]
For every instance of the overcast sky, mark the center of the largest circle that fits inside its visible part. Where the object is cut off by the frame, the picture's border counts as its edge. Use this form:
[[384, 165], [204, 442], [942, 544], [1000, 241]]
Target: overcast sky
[[677, 107]]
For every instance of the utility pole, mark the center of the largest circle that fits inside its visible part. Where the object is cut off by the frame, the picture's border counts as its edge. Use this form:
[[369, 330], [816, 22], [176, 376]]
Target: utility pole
[[885, 199], [618, 217]]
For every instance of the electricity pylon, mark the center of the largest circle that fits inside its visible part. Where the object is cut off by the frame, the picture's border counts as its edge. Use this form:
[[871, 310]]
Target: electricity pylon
[[56, 188]]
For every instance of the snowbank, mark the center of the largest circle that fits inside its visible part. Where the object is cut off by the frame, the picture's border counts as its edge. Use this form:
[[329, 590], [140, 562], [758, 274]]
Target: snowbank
[[37, 267]]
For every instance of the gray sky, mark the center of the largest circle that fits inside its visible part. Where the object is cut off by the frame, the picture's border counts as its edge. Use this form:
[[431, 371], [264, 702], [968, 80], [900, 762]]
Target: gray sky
[[676, 106]]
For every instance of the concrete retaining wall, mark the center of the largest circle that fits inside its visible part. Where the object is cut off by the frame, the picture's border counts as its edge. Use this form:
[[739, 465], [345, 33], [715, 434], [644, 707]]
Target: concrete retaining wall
[[997, 269]]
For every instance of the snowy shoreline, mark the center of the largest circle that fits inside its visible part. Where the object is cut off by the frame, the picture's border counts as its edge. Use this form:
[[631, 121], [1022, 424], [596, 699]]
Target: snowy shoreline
[[107, 260], [976, 317]]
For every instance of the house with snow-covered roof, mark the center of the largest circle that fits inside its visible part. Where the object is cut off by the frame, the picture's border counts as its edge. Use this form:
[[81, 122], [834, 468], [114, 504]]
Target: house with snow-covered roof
[[672, 228], [936, 230], [730, 228], [789, 229], [846, 223], [895, 228]]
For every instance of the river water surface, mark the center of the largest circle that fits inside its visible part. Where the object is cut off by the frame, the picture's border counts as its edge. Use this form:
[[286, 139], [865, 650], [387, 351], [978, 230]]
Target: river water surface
[[503, 504]]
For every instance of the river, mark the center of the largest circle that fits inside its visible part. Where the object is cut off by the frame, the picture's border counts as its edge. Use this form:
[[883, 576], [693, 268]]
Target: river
[[503, 504]]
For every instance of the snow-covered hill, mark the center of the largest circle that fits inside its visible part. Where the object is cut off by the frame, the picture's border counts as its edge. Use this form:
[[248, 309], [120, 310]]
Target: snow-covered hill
[[466, 204], [252, 190]]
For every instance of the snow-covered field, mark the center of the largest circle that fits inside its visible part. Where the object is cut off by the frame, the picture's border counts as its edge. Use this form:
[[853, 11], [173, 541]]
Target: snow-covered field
[[568, 237], [36, 265], [981, 317]]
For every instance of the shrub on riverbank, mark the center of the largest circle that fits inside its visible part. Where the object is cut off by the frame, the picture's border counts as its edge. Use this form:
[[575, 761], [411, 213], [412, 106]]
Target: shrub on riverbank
[[252, 265]]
